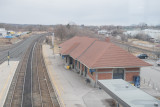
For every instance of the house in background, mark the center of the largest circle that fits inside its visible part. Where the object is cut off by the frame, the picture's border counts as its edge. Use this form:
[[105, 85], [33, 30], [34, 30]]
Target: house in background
[[104, 32], [98, 60], [3, 32]]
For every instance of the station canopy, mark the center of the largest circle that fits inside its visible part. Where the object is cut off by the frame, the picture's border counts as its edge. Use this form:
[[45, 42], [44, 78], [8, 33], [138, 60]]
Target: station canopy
[[128, 95]]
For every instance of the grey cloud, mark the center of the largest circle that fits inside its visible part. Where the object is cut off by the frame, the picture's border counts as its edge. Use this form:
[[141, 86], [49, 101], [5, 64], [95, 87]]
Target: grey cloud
[[80, 11]]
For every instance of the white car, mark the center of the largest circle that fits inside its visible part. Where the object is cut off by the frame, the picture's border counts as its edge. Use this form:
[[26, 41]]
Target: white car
[[158, 62]]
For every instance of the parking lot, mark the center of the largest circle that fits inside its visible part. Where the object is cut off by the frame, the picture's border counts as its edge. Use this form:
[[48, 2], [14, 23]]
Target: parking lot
[[151, 75]]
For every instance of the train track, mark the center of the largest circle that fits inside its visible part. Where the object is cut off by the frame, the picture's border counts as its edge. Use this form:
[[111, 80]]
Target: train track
[[5, 48], [31, 86], [18, 50]]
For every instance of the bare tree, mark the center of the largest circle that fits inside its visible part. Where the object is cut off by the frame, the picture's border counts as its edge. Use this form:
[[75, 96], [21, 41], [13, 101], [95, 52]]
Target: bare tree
[[124, 37], [142, 36], [143, 25], [60, 32], [117, 32], [67, 31]]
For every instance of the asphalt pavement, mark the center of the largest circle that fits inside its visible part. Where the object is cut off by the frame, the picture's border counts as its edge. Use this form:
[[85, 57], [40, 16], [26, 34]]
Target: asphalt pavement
[[151, 75]]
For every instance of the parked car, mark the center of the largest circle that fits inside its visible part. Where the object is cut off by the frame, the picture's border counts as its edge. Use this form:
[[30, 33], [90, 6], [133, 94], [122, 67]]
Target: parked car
[[142, 56], [158, 62]]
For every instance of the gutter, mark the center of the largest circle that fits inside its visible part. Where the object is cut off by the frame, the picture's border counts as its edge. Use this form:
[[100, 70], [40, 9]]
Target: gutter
[[119, 67]]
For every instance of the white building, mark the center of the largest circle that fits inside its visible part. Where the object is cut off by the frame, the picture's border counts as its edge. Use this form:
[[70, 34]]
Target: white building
[[152, 33], [132, 33], [3, 32], [103, 32]]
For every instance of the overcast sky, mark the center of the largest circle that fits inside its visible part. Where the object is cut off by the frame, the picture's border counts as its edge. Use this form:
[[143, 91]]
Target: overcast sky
[[87, 12]]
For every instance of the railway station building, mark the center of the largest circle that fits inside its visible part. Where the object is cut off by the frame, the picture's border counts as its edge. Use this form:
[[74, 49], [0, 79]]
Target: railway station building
[[99, 60]]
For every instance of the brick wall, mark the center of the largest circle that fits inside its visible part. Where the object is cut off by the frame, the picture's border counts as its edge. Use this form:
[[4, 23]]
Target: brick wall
[[82, 68], [102, 76], [104, 70], [132, 69], [129, 75]]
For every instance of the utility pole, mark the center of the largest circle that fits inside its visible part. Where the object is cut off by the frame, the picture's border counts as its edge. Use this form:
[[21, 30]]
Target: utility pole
[[53, 42], [8, 57]]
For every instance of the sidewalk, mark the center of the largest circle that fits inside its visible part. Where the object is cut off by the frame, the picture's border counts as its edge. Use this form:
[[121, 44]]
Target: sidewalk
[[151, 90], [6, 75], [71, 88]]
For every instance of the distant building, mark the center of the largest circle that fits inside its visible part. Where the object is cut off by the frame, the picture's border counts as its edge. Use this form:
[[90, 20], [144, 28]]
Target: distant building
[[10, 32], [98, 60], [152, 33], [103, 32], [3, 32]]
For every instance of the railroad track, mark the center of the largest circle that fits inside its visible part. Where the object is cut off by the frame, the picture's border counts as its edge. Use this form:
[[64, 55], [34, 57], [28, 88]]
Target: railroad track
[[5, 48], [18, 50], [31, 86]]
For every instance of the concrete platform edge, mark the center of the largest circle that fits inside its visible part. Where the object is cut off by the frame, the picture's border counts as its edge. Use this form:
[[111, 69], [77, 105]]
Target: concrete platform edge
[[55, 87]]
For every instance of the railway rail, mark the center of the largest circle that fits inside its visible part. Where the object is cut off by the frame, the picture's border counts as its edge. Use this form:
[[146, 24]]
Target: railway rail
[[18, 50], [31, 86]]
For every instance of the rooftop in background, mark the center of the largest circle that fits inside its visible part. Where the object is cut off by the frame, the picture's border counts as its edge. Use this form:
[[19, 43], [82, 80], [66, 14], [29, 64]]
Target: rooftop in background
[[2, 29], [128, 95]]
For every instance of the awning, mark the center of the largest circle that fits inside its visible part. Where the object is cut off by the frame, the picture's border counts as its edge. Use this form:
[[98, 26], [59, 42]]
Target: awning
[[127, 95]]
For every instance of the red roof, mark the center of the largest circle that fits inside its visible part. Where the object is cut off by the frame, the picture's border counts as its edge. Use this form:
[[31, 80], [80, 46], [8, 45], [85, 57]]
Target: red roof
[[98, 54], [85, 42], [76, 46], [69, 45], [107, 55]]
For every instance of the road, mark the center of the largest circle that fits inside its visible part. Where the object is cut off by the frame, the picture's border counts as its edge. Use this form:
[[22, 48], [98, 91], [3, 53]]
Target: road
[[151, 74]]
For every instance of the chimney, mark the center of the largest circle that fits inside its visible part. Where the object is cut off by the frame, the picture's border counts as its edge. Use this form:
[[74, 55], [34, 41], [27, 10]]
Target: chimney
[[107, 39]]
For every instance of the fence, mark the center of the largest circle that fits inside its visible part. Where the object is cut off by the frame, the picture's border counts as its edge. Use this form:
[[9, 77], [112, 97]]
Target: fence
[[134, 49], [151, 83]]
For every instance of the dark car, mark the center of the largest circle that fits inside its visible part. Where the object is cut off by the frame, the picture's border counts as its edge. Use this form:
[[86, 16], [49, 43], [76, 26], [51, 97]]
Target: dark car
[[158, 62], [142, 56]]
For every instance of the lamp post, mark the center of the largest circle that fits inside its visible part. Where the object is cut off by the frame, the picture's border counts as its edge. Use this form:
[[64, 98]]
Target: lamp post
[[53, 42], [8, 57]]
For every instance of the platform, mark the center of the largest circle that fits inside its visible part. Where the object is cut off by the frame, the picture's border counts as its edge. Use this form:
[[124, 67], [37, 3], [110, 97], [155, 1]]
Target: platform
[[6, 76], [71, 88]]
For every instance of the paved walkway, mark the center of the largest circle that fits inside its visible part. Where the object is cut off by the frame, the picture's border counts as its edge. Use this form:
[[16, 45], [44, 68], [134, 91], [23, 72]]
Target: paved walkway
[[6, 75], [71, 88]]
